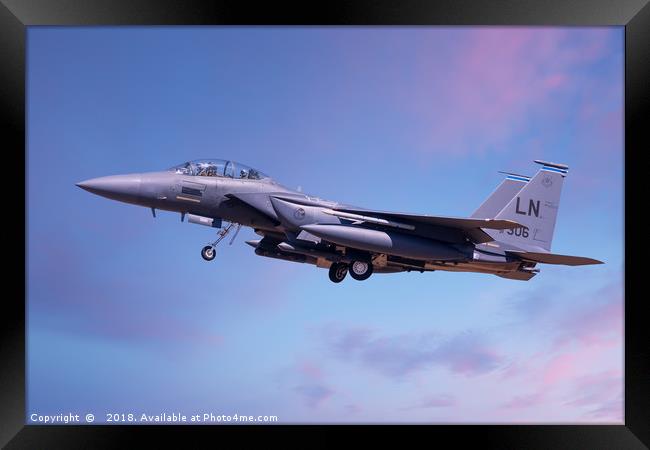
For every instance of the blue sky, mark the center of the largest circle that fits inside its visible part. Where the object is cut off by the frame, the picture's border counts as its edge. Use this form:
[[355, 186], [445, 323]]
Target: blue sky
[[125, 316]]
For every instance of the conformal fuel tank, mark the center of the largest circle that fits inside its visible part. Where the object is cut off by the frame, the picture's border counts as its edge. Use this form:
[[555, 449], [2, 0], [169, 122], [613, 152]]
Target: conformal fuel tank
[[386, 242]]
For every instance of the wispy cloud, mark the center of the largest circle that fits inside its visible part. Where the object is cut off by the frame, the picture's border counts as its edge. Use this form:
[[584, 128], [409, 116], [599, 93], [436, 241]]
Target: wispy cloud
[[592, 317], [467, 354], [400, 355], [493, 96], [499, 82], [314, 394], [353, 408], [76, 304], [435, 401], [579, 330], [524, 401], [596, 321], [601, 395], [310, 383]]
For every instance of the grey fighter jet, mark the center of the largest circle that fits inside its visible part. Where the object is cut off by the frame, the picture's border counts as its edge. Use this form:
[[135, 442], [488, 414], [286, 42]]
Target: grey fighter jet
[[508, 235]]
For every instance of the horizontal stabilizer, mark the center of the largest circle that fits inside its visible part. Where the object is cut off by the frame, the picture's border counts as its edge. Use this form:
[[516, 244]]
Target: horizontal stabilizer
[[552, 258], [520, 275]]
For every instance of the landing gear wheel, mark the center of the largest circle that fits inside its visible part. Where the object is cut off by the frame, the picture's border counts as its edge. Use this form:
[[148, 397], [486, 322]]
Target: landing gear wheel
[[208, 253], [338, 271], [360, 270]]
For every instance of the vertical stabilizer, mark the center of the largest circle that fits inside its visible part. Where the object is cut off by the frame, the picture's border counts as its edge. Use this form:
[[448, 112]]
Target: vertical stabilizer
[[535, 206], [501, 196]]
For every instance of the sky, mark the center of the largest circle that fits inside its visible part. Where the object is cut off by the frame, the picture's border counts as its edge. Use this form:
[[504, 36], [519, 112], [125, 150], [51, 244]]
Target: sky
[[124, 316]]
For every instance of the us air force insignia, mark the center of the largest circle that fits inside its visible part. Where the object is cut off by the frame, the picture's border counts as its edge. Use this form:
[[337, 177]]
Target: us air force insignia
[[547, 182], [299, 214]]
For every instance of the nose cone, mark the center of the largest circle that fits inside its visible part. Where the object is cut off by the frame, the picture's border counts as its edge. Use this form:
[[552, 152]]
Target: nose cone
[[125, 188]]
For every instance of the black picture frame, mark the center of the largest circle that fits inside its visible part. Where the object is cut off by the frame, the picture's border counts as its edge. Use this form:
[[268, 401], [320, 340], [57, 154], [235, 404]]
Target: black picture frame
[[16, 15]]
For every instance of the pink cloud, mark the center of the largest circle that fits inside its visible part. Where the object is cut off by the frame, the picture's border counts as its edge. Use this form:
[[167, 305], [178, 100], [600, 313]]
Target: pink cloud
[[610, 411], [525, 401], [584, 334], [498, 81], [311, 384], [94, 312], [556, 81], [561, 368], [495, 80], [119, 322], [596, 322], [78, 304], [601, 394], [565, 378], [310, 370], [587, 318]]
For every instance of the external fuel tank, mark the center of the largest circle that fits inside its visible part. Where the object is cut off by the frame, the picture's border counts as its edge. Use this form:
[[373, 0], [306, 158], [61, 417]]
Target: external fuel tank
[[393, 243]]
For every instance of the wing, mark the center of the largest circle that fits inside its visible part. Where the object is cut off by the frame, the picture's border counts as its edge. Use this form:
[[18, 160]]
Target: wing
[[471, 227], [257, 205]]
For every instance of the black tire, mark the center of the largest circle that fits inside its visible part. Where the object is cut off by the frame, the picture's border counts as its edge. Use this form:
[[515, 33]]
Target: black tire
[[208, 253], [359, 274], [338, 271]]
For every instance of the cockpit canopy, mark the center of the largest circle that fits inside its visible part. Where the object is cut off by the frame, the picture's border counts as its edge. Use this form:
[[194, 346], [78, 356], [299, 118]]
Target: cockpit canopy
[[219, 168]]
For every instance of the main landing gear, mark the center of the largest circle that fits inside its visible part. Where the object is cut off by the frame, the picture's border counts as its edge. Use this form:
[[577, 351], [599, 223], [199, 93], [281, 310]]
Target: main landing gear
[[338, 271], [359, 270], [210, 251]]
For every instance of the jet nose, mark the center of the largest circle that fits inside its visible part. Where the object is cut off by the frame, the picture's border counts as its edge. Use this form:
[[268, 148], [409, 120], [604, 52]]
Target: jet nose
[[124, 188]]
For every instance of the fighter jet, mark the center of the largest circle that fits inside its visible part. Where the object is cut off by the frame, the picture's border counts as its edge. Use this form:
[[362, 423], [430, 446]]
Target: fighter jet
[[508, 235]]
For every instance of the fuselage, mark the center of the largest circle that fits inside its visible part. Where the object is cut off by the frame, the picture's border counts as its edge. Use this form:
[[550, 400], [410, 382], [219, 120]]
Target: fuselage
[[299, 227], [503, 237], [199, 195]]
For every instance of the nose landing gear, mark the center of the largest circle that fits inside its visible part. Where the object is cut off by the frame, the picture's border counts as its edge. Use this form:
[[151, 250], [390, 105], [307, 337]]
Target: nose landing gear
[[209, 251]]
